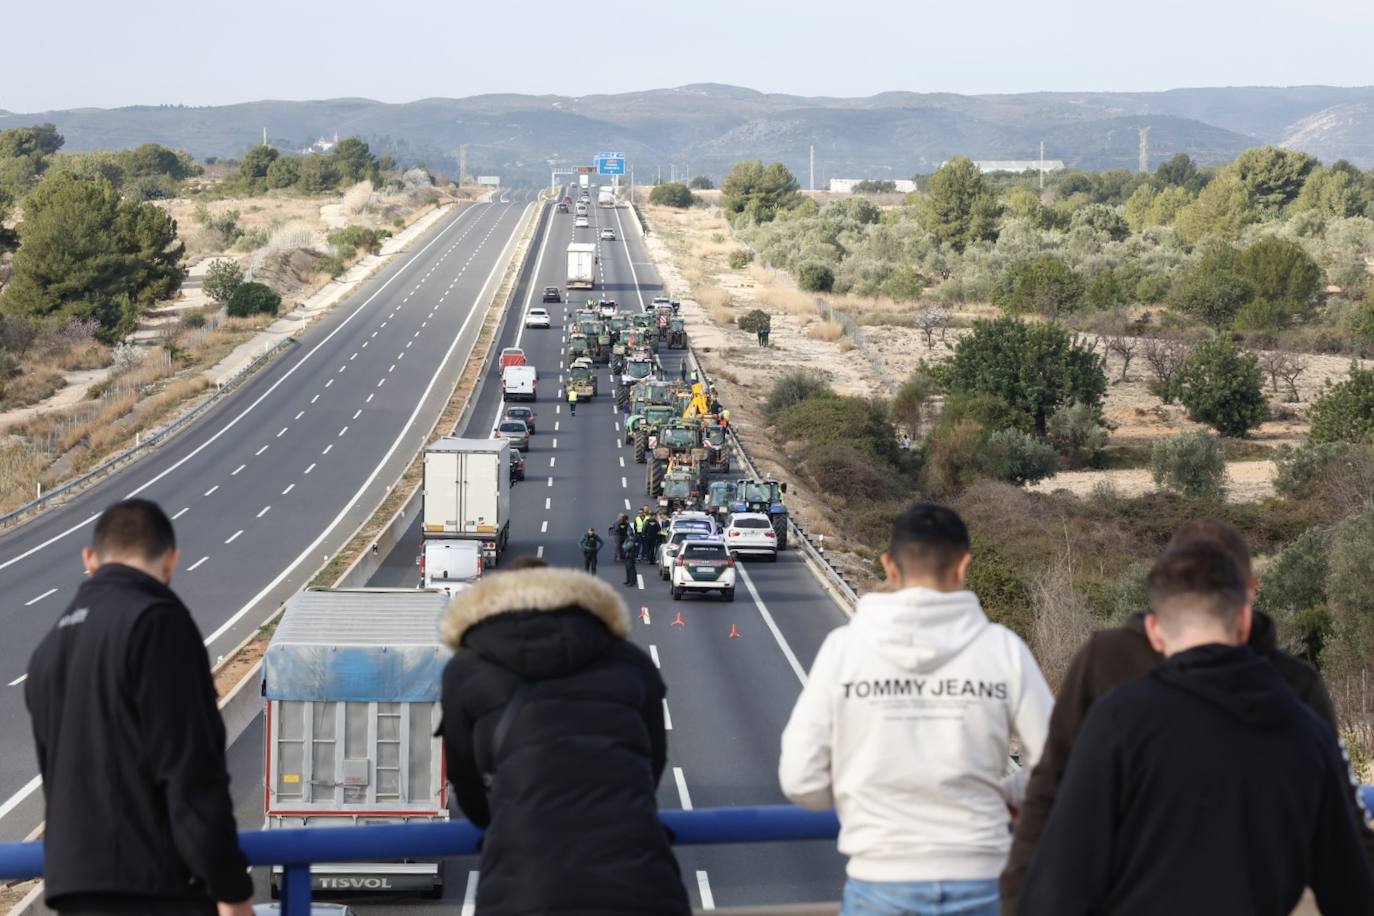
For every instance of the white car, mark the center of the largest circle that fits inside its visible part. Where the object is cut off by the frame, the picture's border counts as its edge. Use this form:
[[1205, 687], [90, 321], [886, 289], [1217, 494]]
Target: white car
[[581, 223], [608, 234], [537, 318], [704, 566], [751, 532], [667, 551], [693, 520]]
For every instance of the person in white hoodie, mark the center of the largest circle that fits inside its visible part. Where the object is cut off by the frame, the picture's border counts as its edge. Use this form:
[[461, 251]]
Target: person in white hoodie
[[905, 727]]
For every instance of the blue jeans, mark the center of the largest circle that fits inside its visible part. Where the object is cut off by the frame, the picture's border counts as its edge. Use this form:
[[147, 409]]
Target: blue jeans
[[920, 898]]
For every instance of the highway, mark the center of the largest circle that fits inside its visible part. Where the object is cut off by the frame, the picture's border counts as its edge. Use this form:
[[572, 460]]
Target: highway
[[728, 699], [275, 478]]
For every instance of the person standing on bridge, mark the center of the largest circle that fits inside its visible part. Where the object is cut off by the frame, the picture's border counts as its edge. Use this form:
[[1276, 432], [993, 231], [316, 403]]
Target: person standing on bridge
[[590, 545], [554, 730], [1117, 655], [905, 728], [130, 741], [1206, 786]]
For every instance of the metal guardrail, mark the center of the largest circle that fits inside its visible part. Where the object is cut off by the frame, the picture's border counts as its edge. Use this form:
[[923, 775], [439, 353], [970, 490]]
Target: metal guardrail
[[148, 442], [804, 539]]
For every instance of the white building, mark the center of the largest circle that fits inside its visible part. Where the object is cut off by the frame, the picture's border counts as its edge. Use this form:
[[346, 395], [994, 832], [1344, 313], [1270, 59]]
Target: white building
[[1019, 165], [846, 185]]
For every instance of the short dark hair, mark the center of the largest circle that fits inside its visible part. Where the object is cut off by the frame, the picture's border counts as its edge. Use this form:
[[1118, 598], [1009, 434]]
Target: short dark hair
[[928, 539], [134, 527], [1223, 535], [527, 562], [1197, 580]]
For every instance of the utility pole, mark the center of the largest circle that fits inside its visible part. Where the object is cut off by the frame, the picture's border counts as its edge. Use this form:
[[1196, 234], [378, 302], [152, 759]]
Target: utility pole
[[264, 136], [813, 166], [1042, 165], [462, 164], [658, 174], [1144, 149]]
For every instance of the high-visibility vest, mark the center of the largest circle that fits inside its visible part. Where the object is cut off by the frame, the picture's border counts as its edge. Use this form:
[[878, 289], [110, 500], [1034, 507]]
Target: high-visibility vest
[[639, 523], [572, 396]]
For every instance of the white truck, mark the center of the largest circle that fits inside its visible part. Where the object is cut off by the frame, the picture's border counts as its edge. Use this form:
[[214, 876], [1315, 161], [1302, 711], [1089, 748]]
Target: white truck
[[350, 683], [519, 383], [451, 566], [466, 493], [605, 197], [581, 265]]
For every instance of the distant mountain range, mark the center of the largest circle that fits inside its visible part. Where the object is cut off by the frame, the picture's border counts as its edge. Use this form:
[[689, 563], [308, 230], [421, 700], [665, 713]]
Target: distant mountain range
[[705, 128]]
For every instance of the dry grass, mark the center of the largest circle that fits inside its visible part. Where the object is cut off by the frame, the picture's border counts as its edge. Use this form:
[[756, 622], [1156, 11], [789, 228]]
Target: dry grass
[[721, 315], [91, 356], [845, 345], [788, 301], [30, 387], [828, 331], [713, 297]]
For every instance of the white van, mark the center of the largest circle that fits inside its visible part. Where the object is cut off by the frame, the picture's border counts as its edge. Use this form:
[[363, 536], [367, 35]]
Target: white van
[[450, 566], [519, 383]]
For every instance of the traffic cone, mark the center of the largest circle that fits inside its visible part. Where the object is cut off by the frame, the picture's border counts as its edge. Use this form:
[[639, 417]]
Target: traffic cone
[[735, 633], [644, 615], [678, 621]]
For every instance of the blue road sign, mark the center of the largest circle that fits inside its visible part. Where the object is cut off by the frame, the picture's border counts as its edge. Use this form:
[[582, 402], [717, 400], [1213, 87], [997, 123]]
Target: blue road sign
[[610, 164]]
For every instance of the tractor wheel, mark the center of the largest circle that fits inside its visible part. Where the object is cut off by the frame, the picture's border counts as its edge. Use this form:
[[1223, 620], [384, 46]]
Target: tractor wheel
[[782, 535], [641, 443], [649, 478], [660, 468]]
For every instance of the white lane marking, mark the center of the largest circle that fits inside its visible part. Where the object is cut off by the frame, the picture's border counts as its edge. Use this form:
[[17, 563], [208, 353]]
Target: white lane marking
[[310, 550], [555, 442], [212, 489], [19, 680], [623, 484], [381, 382], [667, 717], [544, 527], [393, 368], [357, 413], [328, 383], [550, 481], [557, 408], [708, 899], [301, 414], [181, 513], [260, 451], [369, 399], [236, 470], [772, 625], [640, 577], [617, 426], [196, 564], [32, 601], [382, 325], [548, 500], [374, 333], [311, 468], [342, 431], [627, 504], [265, 510], [234, 537], [351, 358], [289, 488], [540, 551], [364, 345], [15, 800], [314, 399], [327, 448], [682, 793], [653, 653], [283, 431], [622, 457], [552, 460], [470, 896]]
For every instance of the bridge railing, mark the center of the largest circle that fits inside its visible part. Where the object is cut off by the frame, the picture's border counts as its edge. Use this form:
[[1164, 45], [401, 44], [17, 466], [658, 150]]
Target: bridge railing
[[296, 849]]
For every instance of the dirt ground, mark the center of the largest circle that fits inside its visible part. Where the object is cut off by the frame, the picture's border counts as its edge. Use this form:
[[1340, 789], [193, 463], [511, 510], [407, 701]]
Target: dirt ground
[[692, 248]]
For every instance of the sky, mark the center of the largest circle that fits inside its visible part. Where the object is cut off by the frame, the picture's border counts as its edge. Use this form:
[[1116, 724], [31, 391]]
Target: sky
[[150, 53]]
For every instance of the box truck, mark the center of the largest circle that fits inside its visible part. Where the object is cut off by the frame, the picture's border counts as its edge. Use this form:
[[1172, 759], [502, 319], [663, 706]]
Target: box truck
[[350, 683], [581, 265], [466, 493], [605, 197], [519, 383]]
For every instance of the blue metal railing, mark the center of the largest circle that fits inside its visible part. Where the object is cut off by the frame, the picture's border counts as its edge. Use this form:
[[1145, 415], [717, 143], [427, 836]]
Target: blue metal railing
[[295, 849]]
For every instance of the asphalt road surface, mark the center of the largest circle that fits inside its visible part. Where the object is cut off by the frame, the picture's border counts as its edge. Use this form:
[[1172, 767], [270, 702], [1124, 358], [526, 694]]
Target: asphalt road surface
[[728, 699], [275, 478]]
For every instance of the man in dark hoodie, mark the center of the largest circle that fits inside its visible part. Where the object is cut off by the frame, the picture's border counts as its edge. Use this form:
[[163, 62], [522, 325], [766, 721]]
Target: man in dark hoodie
[[553, 726], [130, 741], [1116, 656], [1206, 786]]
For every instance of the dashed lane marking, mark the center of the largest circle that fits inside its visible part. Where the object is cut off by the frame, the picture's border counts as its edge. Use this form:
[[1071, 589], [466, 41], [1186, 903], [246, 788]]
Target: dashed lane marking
[[196, 564], [683, 795], [32, 601], [212, 489], [311, 468], [181, 513], [234, 537], [667, 717], [236, 470]]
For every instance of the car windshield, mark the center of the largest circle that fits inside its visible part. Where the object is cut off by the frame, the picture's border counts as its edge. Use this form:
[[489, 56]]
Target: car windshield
[[677, 489], [519, 413], [703, 552], [750, 523], [757, 493], [679, 438], [716, 435], [637, 368]]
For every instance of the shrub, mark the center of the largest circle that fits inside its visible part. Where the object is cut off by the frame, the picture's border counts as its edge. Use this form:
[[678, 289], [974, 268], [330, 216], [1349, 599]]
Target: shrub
[[222, 277], [1301, 472], [848, 476], [348, 240], [1046, 286], [1345, 411], [672, 194], [1223, 386], [1294, 584], [253, 299], [331, 264], [1214, 289], [1077, 435], [752, 320], [793, 387], [815, 277], [193, 320], [951, 457], [741, 258], [910, 402], [1017, 457], [1004, 594], [1190, 464], [701, 183], [857, 422], [1349, 561]]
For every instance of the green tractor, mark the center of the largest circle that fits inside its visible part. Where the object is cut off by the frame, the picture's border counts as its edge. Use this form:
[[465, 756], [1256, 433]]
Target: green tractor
[[720, 498], [678, 443], [578, 348], [645, 424], [680, 489], [717, 444], [677, 334], [647, 331], [765, 496], [582, 378], [598, 342]]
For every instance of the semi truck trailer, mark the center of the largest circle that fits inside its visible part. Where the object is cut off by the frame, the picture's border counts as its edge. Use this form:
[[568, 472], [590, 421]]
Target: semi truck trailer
[[466, 493]]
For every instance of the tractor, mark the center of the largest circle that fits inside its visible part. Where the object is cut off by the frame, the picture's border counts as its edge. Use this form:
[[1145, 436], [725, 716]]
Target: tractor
[[578, 348], [582, 378], [643, 426], [717, 444], [720, 497], [680, 489], [677, 334], [765, 496], [598, 341], [677, 444]]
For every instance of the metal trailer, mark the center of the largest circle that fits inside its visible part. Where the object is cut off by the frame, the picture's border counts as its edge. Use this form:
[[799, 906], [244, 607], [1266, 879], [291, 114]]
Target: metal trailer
[[581, 265], [351, 686], [467, 493]]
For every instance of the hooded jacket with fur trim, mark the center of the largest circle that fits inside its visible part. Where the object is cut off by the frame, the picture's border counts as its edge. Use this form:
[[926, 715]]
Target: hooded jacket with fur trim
[[905, 725], [569, 800]]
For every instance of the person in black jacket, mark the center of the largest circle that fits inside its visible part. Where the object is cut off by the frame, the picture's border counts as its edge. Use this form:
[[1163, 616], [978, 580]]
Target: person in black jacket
[[620, 533], [590, 544], [649, 538], [1206, 786], [553, 726], [130, 741]]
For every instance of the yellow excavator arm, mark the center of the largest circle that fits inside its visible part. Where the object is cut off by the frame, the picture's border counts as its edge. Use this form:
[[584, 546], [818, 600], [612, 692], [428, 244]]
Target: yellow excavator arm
[[699, 406]]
